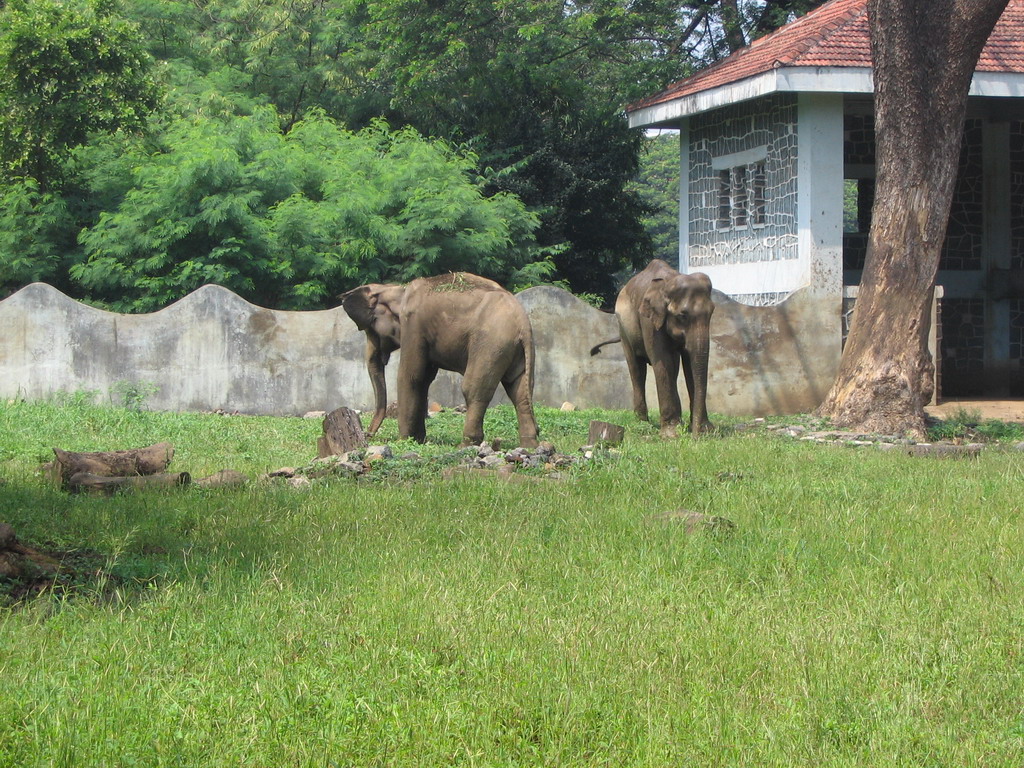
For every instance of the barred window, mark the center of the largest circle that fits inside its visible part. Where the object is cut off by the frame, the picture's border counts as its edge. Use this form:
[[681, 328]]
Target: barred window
[[742, 189]]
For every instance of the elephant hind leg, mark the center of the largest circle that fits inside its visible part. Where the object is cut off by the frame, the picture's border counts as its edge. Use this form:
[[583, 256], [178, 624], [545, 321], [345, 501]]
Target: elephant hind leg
[[518, 390], [638, 378]]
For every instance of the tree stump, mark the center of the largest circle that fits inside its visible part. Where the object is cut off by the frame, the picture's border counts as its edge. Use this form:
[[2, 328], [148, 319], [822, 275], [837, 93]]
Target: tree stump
[[605, 433], [342, 433], [131, 463]]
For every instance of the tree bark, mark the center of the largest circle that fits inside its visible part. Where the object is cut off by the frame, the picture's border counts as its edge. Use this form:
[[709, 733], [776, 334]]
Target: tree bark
[[924, 55], [343, 432]]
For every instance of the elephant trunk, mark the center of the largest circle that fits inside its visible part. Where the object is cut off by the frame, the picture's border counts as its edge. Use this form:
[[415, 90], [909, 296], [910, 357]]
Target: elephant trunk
[[698, 396], [375, 363]]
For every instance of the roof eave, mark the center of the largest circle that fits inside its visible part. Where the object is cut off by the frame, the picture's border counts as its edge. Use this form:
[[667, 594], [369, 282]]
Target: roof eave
[[798, 80], [779, 80]]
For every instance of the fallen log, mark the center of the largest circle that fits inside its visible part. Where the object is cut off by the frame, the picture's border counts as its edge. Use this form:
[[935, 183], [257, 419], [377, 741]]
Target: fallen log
[[86, 481], [139, 461]]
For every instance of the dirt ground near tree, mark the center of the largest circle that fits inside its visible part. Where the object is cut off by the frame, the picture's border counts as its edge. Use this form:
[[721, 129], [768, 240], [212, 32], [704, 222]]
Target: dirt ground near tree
[[1003, 410]]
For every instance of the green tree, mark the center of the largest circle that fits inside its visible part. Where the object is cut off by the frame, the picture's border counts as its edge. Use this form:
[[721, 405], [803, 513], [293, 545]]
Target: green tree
[[67, 69], [657, 183], [291, 220]]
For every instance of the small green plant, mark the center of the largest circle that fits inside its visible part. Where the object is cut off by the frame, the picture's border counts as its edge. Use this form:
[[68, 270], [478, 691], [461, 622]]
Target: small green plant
[[457, 284], [593, 299], [133, 394]]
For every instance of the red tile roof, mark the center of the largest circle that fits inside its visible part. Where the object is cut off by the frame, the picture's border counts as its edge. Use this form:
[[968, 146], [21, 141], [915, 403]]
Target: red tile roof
[[835, 35]]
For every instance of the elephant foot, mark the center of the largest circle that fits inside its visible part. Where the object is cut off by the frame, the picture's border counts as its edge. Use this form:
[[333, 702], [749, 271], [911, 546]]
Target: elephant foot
[[670, 431]]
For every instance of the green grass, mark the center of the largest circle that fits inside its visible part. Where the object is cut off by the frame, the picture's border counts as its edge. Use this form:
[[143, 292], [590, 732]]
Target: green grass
[[867, 611]]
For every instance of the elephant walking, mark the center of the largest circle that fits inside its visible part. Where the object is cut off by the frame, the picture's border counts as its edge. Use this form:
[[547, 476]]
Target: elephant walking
[[456, 322], [664, 319]]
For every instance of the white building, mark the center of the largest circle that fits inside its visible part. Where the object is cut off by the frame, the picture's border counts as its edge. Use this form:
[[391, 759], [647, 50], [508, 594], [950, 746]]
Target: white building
[[777, 144]]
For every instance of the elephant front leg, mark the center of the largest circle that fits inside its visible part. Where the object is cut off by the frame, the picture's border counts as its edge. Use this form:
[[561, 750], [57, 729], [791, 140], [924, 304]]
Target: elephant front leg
[[413, 384], [666, 379]]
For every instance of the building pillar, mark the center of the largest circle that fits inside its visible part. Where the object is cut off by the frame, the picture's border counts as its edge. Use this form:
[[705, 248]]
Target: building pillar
[[820, 191]]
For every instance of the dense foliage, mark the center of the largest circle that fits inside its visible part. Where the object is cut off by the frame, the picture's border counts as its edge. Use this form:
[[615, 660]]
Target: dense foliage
[[241, 142]]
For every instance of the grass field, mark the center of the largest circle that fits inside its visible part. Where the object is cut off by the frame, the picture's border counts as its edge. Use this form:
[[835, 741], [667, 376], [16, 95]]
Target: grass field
[[868, 610]]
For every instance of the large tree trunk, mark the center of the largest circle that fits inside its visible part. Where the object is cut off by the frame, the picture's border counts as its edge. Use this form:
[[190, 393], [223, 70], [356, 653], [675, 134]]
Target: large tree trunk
[[925, 53]]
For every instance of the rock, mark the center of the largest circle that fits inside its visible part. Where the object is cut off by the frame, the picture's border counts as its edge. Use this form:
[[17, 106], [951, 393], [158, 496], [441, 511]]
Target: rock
[[314, 414], [283, 472], [410, 456], [493, 460], [434, 408], [299, 482], [225, 478], [945, 450], [1018, 446], [484, 450], [546, 448], [567, 406], [605, 433], [378, 452]]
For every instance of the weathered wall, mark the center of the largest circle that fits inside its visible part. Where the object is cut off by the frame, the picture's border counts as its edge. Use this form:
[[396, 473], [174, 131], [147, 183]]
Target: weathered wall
[[213, 350]]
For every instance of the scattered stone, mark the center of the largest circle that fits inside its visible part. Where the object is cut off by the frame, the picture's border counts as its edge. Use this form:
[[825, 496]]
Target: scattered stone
[[283, 472], [391, 412], [946, 450], [410, 456], [299, 482], [434, 408], [314, 414], [1018, 446], [493, 460], [605, 433], [225, 478], [546, 448], [567, 406], [378, 453], [485, 450]]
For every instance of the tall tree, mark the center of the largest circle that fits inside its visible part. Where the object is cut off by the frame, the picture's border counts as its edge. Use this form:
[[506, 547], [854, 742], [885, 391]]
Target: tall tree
[[925, 53], [67, 69]]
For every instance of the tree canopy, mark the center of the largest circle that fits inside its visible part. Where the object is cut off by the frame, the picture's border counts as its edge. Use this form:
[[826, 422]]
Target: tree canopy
[[231, 140]]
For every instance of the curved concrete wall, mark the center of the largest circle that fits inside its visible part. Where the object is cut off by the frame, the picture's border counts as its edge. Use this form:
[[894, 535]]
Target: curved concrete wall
[[213, 350]]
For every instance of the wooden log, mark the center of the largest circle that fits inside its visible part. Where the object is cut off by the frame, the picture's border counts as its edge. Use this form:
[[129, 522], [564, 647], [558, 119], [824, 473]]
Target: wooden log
[[605, 433], [139, 461], [85, 481], [342, 433]]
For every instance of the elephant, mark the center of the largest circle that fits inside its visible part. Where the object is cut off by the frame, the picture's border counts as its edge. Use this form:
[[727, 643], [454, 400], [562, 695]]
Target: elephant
[[664, 318], [456, 322]]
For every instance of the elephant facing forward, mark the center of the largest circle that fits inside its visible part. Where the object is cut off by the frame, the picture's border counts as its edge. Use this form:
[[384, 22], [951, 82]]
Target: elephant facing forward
[[456, 322], [664, 319]]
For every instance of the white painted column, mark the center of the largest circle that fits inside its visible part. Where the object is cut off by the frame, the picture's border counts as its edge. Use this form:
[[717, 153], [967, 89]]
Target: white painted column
[[820, 191], [684, 196]]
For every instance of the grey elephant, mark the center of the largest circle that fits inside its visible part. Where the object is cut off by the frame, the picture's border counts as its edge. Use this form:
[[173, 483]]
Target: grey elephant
[[456, 322], [664, 319]]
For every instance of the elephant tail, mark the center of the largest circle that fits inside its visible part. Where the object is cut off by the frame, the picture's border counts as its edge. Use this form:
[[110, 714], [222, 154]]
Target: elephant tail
[[597, 349]]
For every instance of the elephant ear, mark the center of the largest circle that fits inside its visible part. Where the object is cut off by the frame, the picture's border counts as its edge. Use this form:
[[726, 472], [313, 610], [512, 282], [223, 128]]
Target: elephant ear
[[654, 304], [359, 304]]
